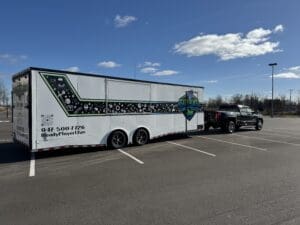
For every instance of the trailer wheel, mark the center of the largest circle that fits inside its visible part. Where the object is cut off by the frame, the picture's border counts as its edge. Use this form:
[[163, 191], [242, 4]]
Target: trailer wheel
[[117, 139], [230, 127], [141, 136]]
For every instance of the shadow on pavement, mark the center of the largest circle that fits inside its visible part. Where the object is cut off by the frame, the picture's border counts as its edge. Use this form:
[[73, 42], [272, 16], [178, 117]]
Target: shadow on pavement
[[171, 137], [219, 131], [81, 150], [67, 151], [11, 153]]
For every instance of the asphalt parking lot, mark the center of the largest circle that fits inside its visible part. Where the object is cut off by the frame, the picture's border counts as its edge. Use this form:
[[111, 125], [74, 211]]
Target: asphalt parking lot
[[210, 178]]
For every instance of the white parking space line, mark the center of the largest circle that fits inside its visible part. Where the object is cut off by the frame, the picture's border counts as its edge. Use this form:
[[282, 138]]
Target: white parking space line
[[234, 143], [278, 135], [191, 148], [131, 156], [283, 132], [4, 121], [278, 128], [270, 140], [32, 165], [5, 140]]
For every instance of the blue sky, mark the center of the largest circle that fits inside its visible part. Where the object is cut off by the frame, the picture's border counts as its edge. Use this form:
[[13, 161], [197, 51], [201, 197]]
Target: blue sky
[[224, 46]]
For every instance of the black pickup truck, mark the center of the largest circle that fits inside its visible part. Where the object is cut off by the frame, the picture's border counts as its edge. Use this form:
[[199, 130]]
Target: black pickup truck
[[231, 117]]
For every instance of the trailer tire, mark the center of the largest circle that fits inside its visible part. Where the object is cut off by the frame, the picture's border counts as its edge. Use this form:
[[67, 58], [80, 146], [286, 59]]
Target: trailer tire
[[117, 139], [141, 136]]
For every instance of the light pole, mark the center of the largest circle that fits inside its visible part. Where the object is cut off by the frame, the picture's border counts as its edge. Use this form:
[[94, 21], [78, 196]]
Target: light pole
[[272, 103]]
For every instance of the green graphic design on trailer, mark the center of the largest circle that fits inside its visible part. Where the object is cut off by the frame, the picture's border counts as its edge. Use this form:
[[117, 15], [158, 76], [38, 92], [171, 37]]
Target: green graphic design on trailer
[[189, 104]]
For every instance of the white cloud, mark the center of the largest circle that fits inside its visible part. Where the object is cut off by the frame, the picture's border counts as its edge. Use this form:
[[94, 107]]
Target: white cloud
[[73, 69], [5, 56], [232, 45], [278, 28], [149, 64], [23, 57], [108, 64], [152, 68], [290, 73], [294, 68], [287, 75], [211, 81], [12, 59], [149, 67], [165, 73], [148, 70], [154, 64], [258, 35], [123, 21]]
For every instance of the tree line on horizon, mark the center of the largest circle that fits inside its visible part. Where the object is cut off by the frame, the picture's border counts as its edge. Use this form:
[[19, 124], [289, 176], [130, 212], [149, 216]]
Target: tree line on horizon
[[282, 105]]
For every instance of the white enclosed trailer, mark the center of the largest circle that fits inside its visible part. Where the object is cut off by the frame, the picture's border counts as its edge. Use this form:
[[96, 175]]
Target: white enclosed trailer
[[54, 109]]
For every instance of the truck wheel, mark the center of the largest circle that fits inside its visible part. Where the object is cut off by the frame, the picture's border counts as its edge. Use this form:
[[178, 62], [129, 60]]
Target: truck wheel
[[141, 136], [117, 139], [230, 127], [259, 125]]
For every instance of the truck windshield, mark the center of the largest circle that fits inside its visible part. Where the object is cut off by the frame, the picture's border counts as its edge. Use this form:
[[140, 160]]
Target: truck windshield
[[230, 108]]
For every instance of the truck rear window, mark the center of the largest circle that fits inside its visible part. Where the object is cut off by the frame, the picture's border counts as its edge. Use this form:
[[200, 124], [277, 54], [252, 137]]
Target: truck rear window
[[228, 108]]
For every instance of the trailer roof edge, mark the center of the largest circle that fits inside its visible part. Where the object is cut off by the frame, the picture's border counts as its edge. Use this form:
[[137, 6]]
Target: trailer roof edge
[[99, 75], [21, 73]]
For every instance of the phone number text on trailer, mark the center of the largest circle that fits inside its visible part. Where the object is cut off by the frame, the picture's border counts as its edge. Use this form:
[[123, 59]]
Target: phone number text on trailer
[[63, 131]]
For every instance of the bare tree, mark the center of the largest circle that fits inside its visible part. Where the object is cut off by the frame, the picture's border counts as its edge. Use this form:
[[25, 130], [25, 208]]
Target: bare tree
[[237, 99], [214, 103], [4, 96], [2, 92]]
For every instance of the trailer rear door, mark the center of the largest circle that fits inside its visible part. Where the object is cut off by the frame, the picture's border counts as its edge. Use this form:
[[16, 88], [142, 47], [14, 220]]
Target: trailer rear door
[[21, 105]]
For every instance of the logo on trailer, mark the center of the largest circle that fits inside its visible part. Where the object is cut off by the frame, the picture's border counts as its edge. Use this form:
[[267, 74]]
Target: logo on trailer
[[189, 104]]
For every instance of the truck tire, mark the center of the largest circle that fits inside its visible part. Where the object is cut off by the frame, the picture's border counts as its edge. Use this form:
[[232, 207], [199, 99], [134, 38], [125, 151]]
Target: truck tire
[[117, 139], [230, 128], [141, 137], [259, 125]]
